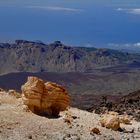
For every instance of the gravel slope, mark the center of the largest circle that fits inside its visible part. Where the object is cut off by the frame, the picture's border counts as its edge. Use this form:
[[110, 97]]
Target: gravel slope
[[73, 124]]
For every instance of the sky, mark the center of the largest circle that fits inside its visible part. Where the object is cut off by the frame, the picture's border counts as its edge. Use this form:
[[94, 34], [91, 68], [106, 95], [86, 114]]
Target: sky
[[99, 23]]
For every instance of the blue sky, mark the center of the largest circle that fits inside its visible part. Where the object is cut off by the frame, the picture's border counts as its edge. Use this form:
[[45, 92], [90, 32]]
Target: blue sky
[[100, 23]]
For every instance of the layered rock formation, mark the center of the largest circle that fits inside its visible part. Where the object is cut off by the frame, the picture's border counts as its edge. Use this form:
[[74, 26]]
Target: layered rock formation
[[28, 56], [44, 98]]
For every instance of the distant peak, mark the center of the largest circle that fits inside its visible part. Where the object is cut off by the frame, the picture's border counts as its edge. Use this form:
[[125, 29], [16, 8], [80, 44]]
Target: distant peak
[[27, 42], [57, 43], [22, 42], [40, 42], [4, 45]]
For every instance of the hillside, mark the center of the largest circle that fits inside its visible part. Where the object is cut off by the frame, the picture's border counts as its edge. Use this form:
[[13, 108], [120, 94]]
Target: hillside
[[27, 56], [17, 122]]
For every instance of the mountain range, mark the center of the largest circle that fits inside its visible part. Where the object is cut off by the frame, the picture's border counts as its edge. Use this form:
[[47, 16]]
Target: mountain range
[[29, 56]]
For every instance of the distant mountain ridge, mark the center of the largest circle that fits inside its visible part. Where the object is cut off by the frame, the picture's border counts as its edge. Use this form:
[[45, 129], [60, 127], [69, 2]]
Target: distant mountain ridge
[[29, 56]]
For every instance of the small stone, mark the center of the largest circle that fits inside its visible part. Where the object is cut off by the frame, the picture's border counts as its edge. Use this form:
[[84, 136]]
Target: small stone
[[30, 137], [70, 127], [74, 117], [95, 131], [66, 120], [77, 125]]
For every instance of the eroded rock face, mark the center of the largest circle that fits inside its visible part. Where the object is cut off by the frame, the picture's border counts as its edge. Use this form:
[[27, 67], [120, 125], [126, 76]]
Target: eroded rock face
[[44, 98]]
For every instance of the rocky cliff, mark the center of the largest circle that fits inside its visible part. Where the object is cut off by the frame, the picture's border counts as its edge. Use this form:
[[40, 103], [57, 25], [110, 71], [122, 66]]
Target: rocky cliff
[[27, 56]]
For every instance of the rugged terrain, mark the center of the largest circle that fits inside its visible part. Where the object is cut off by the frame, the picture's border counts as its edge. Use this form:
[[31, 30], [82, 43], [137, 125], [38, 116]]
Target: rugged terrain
[[87, 88], [129, 104], [99, 79], [16, 122], [28, 56]]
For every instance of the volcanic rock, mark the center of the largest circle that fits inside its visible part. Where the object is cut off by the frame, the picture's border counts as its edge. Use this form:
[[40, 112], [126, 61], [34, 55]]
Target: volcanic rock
[[44, 98], [110, 121]]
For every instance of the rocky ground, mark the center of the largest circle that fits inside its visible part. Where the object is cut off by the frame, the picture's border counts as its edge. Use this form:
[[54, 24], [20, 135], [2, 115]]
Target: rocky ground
[[87, 88], [16, 122], [129, 104]]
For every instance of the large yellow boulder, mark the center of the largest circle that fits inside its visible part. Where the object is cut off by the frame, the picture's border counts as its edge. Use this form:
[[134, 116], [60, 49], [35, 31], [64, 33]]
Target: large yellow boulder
[[44, 98]]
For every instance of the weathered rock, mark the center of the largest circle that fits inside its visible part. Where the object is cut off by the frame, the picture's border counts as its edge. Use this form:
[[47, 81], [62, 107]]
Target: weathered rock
[[110, 121], [44, 98]]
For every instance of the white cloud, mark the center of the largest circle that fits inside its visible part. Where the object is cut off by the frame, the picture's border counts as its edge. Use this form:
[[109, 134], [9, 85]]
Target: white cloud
[[120, 9], [125, 45], [135, 11], [56, 8], [137, 44]]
